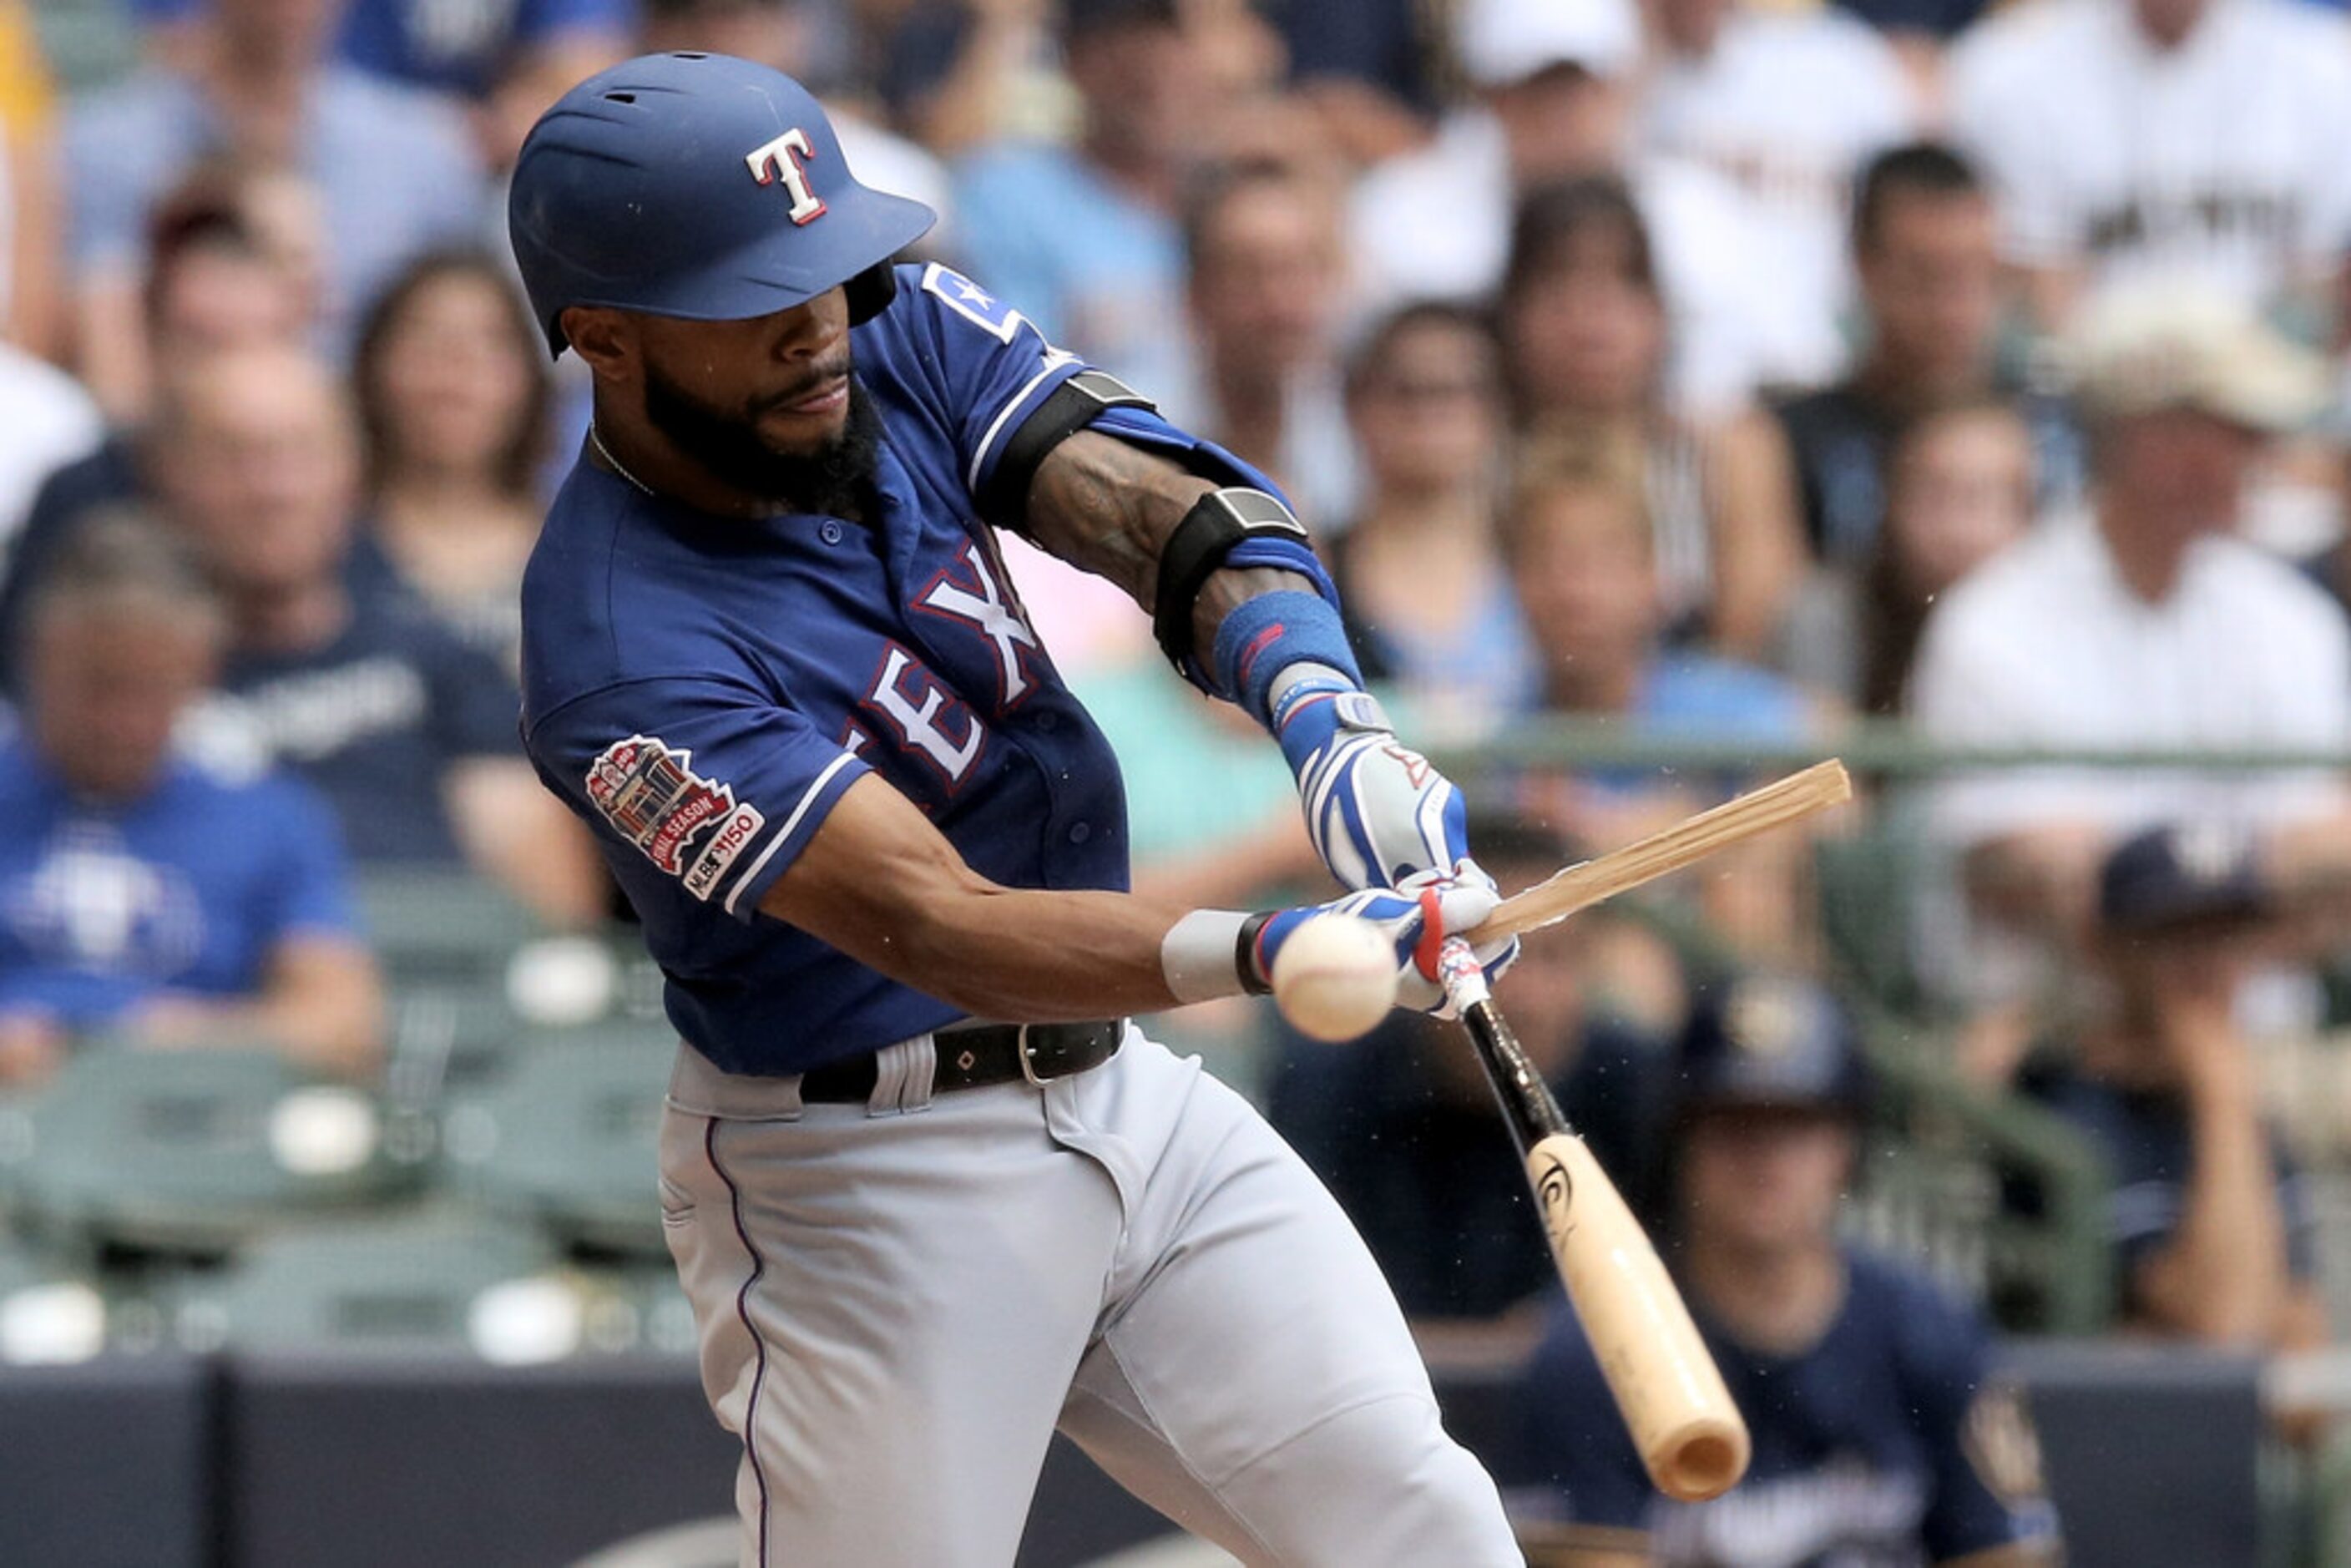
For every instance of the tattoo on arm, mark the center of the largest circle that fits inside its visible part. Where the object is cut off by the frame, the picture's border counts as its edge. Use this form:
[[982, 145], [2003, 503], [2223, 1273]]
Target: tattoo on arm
[[1108, 508]]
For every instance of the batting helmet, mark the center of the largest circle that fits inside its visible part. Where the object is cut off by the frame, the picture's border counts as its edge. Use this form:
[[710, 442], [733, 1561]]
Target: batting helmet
[[697, 185]]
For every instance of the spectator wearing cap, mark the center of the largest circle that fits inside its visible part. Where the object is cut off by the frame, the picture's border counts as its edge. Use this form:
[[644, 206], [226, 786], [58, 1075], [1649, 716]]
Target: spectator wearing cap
[[1879, 1433], [2172, 141], [1785, 104], [2143, 623], [1429, 602], [1401, 1123], [2214, 1241], [394, 168], [143, 896], [1554, 87], [1925, 257], [1086, 235]]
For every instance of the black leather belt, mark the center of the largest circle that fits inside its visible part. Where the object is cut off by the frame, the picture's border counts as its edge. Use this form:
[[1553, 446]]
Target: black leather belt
[[979, 1056]]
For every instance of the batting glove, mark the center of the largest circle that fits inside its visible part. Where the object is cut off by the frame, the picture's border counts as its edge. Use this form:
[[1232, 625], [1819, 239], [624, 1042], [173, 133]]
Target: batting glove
[[1377, 810], [1415, 918]]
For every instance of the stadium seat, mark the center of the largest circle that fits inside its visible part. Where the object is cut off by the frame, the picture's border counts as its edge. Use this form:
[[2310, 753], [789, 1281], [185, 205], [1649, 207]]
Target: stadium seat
[[191, 1151], [421, 1283], [568, 1135], [442, 928]]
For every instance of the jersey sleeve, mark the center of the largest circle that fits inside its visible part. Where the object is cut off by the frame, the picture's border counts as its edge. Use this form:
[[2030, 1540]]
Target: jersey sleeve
[[991, 365], [717, 785], [1983, 1459], [1576, 1441]]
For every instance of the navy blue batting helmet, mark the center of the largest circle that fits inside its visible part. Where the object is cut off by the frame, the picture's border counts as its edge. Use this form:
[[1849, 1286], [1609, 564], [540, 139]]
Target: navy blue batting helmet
[[1770, 1041], [697, 185]]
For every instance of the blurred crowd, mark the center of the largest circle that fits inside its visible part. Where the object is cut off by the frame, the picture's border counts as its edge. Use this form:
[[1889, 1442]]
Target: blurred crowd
[[1730, 368]]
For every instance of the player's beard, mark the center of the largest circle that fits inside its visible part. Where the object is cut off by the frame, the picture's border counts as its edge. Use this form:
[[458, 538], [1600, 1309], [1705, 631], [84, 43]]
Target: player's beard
[[834, 480]]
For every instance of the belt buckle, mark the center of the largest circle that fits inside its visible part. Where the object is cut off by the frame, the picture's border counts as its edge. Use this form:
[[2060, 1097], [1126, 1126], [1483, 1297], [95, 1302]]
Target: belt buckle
[[1029, 1061]]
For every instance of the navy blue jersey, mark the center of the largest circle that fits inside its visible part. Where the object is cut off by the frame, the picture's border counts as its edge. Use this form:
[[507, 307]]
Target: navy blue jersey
[[1882, 1445], [702, 690]]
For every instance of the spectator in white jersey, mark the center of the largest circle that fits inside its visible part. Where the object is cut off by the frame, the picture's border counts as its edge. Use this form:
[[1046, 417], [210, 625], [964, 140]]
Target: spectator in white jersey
[[2140, 140], [1785, 104], [2143, 623], [1554, 96], [1926, 254]]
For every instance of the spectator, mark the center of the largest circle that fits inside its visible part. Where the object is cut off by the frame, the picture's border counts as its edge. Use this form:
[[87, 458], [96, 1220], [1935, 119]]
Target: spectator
[[453, 402], [1554, 94], [1958, 490], [1581, 550], [2140, 141], [2143, 623], [1371, 70], [2214, 1241], [392, 167], [146, 897], [215, 283], [777, 33], [1584, 320], [1928, 265], [1878, 1434], [1431, 608], [335, 670], [1085, 236], [1262, 251], [1401, 1123], [1785, 105]]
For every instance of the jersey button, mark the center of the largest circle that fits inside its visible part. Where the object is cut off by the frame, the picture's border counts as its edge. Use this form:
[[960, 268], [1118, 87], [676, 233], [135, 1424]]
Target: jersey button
[[829, 531], [1048, 722], [1080, 831]]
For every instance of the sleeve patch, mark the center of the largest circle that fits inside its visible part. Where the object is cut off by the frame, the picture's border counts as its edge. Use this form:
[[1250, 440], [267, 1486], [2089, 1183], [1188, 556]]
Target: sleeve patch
[[649, 793], [973, 303]]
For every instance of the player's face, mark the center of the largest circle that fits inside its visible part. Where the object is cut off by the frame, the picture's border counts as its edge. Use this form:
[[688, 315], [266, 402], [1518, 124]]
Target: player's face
[[1764, 1179], [738, 396], [107, 690]]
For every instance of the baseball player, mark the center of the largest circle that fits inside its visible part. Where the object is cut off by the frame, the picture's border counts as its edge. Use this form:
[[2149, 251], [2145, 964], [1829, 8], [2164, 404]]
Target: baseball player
[[931, 1194], [1879, 1440]]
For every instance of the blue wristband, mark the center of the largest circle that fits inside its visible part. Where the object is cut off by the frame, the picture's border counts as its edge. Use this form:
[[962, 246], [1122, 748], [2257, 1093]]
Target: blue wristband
[[1263, 636]]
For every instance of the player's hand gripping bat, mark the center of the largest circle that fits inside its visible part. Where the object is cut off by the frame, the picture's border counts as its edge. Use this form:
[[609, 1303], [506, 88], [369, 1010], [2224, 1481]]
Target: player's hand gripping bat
[[1690, 1435]]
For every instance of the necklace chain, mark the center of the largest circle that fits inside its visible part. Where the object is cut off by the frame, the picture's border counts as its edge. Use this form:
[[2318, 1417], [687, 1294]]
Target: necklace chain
[[596, 440]]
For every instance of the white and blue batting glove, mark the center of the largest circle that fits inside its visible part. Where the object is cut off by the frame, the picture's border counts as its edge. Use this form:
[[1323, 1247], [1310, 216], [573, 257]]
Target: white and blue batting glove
[[1378, 812], [1415, 918]]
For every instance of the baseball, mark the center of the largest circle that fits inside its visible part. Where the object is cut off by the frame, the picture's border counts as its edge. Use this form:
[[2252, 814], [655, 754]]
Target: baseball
[[1335, 977]]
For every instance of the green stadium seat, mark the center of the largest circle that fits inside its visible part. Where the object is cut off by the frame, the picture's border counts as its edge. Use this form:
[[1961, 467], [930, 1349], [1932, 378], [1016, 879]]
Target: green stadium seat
[[569, 1136], [426, 1283], [191, 1151], [438, 928]]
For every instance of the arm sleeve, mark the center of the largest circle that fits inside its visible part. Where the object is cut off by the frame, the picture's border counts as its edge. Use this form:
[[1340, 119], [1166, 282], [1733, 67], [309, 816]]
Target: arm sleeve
[[310, 895], [715, 785], [1983, 1456]]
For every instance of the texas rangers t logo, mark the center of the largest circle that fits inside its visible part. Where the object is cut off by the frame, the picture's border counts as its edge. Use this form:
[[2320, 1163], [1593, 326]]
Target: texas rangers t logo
[[786, 159]]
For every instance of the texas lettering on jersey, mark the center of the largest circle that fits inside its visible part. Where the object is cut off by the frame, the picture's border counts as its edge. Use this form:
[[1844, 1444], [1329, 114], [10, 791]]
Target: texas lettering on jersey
[[651, 796]]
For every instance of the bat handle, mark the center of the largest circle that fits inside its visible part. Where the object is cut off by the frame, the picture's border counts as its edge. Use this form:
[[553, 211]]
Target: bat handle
[[1463, 977]]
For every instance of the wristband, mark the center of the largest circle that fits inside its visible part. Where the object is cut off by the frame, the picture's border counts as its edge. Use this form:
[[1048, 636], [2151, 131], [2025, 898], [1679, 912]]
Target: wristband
[[1263, 636], [1202, 956]]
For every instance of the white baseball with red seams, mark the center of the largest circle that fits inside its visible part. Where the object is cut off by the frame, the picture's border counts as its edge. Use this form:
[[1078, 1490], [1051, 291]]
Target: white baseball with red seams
[[1335, 977]]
